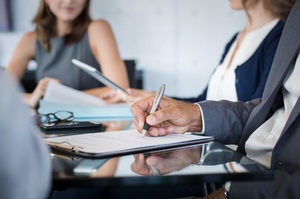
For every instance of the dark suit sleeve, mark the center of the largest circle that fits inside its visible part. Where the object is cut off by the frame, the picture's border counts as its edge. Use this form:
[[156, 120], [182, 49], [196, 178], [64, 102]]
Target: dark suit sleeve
[[225, 120], [285, 185]]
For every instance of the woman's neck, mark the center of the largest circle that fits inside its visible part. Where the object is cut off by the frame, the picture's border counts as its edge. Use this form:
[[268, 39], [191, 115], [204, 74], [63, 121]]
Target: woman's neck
[[258, 17], [63, 28]]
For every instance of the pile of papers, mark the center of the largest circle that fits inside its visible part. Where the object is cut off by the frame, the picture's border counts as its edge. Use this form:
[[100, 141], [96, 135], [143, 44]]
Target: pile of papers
[[83, 106]]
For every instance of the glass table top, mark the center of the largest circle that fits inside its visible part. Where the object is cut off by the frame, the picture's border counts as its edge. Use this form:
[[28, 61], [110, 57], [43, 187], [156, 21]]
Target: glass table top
[[209, 162]]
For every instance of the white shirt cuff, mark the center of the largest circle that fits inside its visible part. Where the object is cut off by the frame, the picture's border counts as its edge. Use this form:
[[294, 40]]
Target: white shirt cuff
[[202, 117]]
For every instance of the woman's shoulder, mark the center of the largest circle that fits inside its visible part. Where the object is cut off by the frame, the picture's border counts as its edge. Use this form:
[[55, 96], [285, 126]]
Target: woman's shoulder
[[98, 25], [271, 41], [27, 43], [278, 27], [29, 37], [99, 31], [275, 33]]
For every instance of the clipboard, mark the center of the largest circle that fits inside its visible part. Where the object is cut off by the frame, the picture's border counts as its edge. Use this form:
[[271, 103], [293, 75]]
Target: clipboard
[[76, 150]]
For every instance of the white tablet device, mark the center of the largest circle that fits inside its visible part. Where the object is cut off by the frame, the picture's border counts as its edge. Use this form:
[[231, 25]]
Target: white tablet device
[[96, 74]]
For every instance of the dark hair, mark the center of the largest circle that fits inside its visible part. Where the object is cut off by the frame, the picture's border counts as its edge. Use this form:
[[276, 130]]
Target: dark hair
[[279, 8], [45, 22]]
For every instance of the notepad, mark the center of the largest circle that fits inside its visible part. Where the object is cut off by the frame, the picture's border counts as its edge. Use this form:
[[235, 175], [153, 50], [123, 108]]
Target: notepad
[[65, 95], [114, 143]]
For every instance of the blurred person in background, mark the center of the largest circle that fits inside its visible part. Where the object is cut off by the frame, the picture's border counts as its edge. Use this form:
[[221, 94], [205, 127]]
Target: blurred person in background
[[245, 64], [65, 31]]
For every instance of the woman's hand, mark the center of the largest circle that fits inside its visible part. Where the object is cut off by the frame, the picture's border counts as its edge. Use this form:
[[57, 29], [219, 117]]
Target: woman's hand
[[113, 96], [39, 91], [116, 96]]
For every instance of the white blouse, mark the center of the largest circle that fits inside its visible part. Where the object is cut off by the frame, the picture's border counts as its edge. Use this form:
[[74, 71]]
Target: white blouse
[[222, 83]]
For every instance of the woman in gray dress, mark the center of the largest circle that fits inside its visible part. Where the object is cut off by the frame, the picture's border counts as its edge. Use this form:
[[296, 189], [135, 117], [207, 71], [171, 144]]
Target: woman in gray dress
[[64, 31]]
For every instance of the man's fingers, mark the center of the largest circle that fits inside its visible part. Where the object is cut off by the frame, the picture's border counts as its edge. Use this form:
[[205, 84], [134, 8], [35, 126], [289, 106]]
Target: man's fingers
[[143, 105], [162, 115], [161, 131], [139, 109], [136, 123], [153, 131]]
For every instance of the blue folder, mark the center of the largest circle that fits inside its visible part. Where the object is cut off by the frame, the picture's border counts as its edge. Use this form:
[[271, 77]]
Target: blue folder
[[115, 112]]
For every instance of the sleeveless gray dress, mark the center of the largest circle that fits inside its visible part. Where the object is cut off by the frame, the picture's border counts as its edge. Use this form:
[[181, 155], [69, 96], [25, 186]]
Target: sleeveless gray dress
[[57, 63]]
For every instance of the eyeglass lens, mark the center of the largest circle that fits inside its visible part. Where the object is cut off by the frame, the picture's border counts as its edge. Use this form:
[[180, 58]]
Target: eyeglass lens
[[57, 116]]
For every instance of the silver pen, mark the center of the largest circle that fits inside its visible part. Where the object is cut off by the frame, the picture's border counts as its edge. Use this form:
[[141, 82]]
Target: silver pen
[[156, 102]]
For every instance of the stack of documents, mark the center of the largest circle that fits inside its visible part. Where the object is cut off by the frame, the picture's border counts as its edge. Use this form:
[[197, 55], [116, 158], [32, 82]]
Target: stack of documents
[[121, 142], [83, 106], [65, 95]]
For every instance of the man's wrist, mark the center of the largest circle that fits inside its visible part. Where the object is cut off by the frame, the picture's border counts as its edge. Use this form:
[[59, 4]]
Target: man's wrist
[[196, 123]]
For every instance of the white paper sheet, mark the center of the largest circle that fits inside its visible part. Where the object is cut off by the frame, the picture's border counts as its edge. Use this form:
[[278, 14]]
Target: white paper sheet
[[106, 142], [65, 95]]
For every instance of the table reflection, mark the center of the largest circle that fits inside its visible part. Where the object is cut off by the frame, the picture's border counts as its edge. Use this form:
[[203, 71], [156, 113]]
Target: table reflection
[[193, 160], [165, 162], [205, 158]]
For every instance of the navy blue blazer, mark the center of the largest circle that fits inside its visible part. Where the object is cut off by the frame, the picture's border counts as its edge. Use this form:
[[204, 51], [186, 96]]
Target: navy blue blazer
[[252, 75]]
